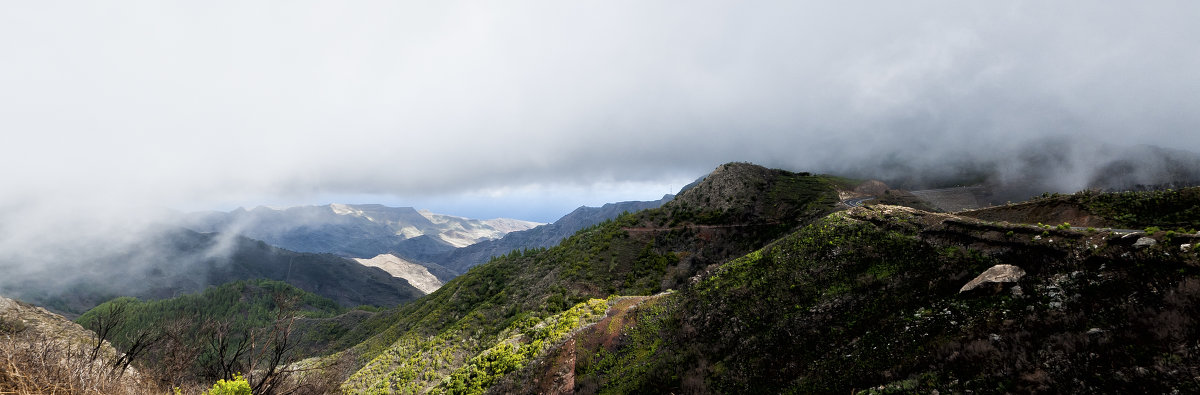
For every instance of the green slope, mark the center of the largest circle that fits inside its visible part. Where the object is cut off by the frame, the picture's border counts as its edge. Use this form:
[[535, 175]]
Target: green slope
[[869, 300]]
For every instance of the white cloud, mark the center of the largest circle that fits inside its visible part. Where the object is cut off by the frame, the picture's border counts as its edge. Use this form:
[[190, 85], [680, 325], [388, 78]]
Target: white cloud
[[200, 104]]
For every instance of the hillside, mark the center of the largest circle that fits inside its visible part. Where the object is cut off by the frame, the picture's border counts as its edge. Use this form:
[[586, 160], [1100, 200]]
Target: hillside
[[544, 236], [874, 298], [421, 344], [173, 262], [356, 230]]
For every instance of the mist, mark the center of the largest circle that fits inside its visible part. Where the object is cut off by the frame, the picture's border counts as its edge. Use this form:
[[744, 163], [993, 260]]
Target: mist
[[117, 116]]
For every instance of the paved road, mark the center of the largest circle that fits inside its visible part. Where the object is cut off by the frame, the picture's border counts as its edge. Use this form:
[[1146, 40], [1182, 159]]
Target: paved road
[[858, 201]]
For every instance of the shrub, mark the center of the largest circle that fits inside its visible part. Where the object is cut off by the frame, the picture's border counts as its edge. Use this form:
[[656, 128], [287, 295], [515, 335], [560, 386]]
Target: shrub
[[237, 386]]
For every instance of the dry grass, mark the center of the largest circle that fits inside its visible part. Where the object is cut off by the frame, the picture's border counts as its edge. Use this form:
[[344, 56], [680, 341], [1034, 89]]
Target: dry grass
[[43, 365]]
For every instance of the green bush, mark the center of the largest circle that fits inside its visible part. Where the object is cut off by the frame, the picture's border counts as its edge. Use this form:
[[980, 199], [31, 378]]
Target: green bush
[[237, 386]]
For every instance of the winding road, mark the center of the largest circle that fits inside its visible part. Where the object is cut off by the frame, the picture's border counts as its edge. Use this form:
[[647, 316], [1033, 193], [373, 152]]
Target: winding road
[[858, 201]]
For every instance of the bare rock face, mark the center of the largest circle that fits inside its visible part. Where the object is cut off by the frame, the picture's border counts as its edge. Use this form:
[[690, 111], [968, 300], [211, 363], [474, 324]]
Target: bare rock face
[[995, 275], [415, 274]]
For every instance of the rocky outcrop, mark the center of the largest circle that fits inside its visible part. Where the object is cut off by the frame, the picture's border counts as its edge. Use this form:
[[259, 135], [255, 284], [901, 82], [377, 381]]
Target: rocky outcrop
[[1144, 242], [995, 275]]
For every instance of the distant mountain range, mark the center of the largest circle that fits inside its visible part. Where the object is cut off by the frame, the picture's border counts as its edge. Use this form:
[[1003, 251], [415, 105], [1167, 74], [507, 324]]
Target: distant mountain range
[[171, 261], [356, 230], [446, 245]]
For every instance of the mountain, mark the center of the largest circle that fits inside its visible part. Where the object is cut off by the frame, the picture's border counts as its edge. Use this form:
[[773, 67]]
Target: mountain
[[543, 236], [355, 230], [171, 261], [427, 344]]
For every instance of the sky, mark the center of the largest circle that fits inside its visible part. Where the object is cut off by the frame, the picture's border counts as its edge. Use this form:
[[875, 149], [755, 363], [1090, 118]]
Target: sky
[[117, 112]]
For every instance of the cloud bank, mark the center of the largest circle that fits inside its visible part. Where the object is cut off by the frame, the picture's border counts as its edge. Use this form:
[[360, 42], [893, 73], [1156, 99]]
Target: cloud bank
[[121, 108]]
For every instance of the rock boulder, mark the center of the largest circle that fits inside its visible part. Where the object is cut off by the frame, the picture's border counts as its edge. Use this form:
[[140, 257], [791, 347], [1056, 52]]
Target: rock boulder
[[995, 275]]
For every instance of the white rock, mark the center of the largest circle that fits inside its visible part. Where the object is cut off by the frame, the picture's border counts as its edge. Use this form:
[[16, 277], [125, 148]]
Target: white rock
[[995, 274], [1144, 242]]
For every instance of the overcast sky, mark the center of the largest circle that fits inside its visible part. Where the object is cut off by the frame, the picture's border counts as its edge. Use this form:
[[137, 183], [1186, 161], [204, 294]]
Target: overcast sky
[[529, 109]]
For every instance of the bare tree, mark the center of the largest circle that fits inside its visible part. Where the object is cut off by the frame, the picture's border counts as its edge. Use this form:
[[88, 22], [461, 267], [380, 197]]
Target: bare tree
[[275, 354], [176, 352], [138, 343], [227, 347], [105, 323]]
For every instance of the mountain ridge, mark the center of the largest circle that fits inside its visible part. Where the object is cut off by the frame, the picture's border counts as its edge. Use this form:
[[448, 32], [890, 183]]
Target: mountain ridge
[[354, 230]]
